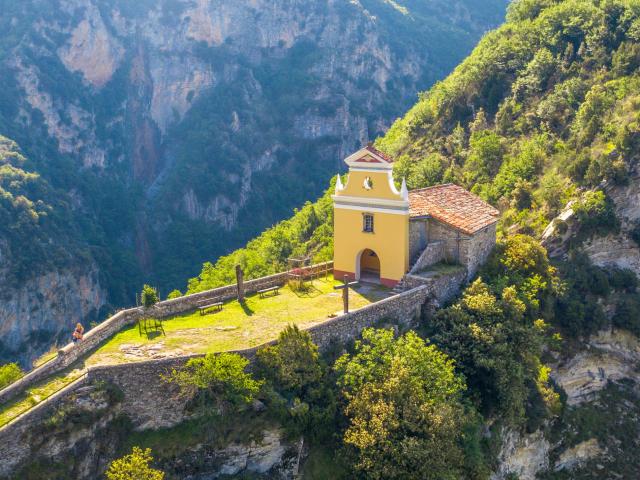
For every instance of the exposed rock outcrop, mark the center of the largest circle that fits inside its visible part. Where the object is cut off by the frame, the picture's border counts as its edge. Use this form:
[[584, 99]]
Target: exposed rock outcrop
[[609, 356], [522, 455], [43, 310]]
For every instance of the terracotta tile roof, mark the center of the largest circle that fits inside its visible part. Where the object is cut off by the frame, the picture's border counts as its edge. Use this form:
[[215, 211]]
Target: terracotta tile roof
[[382, 155], [454, 206]]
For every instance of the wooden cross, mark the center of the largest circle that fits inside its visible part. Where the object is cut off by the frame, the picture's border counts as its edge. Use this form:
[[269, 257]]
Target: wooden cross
[[345, 291]]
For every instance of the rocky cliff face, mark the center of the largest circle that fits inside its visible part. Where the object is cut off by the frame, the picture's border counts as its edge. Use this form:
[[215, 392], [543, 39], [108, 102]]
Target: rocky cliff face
[[43, 311], [601, 381], [616, 249]]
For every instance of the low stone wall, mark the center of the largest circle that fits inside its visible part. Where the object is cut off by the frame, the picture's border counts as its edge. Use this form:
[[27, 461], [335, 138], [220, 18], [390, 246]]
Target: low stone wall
[[441, 287], [94, 337], [432, 254], [402, 308]]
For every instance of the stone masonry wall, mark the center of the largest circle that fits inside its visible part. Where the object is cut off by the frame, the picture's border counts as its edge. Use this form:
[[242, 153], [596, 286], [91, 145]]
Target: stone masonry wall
[[70, 353], [454, 241], [433, 253], [441, 287], [418, 236], [478, 249], [470, 251]]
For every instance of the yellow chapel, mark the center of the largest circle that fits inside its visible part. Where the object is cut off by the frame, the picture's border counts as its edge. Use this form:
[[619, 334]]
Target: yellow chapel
[[382, 233]]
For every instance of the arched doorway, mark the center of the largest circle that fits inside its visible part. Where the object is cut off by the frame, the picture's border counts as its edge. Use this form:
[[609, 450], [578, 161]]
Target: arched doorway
[[368, 266]]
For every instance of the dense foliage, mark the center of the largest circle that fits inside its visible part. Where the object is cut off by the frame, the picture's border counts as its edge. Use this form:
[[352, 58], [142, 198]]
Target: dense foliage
[[496, 331], [218, 378], [545, 106], [36, 226], [404, 409], [9, 373], [134, 466]]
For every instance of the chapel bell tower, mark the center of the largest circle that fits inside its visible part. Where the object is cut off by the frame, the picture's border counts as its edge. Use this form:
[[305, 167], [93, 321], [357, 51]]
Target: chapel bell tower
[[371, 221]]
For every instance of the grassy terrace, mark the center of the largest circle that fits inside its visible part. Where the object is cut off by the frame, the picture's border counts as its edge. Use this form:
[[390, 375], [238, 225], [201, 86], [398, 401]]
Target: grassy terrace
[[39, 392], [237, 326]]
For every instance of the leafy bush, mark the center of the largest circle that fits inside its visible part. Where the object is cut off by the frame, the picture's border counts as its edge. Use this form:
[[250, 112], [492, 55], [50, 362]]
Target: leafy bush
[[627, 314], [303, 393], [174, 294], [292, 364], [149, 296], [595, 213], [9, 373], [218, 378], [134, 466]]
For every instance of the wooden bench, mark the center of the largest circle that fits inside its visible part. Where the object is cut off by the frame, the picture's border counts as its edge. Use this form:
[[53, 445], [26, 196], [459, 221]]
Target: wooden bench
[[264, 291], [217, 306]]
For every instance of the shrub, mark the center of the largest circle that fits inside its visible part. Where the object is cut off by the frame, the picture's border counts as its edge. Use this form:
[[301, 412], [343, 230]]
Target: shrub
[[134, 466], [174, 294], [596, 214], [9, 373], [149, 296], [293, 363], [220, 378], [627, 314]]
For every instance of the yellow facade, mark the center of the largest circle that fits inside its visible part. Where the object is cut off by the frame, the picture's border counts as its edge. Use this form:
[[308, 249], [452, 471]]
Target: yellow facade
[[370, 190]]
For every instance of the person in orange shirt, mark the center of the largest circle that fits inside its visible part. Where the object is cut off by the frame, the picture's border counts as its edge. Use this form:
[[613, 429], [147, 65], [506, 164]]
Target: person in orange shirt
[[78, 333]]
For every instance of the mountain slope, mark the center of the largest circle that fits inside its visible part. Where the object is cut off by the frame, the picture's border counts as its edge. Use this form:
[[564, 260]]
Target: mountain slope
[[47, 276], [181, 128]]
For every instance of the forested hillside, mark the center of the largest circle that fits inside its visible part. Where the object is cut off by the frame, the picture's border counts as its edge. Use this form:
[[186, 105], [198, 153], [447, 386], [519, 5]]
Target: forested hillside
[[543, 121], [172, 132]]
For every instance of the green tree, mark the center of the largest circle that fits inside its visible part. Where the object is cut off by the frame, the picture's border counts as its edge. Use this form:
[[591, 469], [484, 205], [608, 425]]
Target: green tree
[[292, 363], [134, 466], [174, 294], [149, 296], [485, 157], [303, 393], [495, 345], [217, 378], [403, 404], [9, 373]]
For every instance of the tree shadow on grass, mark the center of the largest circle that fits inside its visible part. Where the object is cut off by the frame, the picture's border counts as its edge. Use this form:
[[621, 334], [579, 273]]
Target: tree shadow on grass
[[307, 291], [155, 333], [246, 308]]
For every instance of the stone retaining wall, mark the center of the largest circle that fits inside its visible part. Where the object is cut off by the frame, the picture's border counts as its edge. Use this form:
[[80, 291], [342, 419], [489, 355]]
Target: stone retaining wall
[[72, 352], [14, 438], [432, 254], [441, 287]]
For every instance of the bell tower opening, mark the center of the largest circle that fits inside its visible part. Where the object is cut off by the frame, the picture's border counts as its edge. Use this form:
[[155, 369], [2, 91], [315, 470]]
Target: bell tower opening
[[368, 266]]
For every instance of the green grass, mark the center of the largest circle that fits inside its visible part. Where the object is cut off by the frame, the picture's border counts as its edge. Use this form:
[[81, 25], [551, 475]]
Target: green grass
[[440, 269], [237, 326], [36, 394]]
